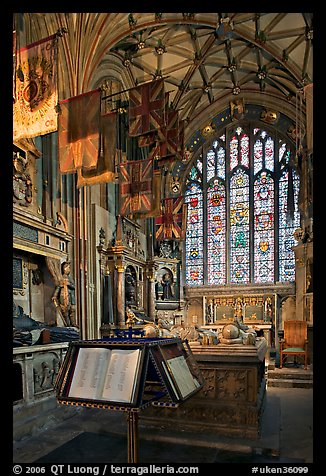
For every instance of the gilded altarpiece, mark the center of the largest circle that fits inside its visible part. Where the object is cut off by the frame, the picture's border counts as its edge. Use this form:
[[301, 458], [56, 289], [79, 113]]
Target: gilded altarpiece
[[259, 306]]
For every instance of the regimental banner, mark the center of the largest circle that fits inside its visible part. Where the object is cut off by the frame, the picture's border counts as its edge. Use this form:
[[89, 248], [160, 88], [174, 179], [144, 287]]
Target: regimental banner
[[147, 139], [105, 168], [156, 202], [181, 143], [79, 132], [154, 152], [36, 94], [146, 108], [171, 136], [136, 187], [171, 225]]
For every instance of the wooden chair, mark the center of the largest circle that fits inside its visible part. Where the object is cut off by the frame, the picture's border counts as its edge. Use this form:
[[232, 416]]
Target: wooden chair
[[295, 341]]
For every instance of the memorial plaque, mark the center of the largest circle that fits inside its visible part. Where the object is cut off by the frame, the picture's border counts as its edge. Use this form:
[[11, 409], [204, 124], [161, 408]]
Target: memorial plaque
[[17, 273], [25, 232]]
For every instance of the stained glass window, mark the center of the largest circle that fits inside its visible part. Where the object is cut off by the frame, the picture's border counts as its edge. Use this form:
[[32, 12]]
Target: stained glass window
[[264, 228], [239, 227], [269, 154], [244, 150], [233, 152], [221, 162], [210, 164], [194, 236], [216, 230], [288, 222], [258, 155], [242, 198]]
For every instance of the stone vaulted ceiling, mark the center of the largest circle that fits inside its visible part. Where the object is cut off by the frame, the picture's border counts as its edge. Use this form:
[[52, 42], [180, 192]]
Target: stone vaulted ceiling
[[206, 59]]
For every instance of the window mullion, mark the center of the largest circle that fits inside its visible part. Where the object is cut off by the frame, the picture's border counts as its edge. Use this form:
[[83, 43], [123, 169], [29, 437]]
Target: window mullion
[[277, 176], [251, 208], [205, 227], [227, 211]]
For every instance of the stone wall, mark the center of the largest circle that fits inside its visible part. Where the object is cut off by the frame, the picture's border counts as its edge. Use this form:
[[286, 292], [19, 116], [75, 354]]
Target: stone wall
[[35, 369]]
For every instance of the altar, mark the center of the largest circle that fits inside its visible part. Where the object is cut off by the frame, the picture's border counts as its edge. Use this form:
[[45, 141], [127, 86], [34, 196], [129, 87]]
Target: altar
[[231, 402]]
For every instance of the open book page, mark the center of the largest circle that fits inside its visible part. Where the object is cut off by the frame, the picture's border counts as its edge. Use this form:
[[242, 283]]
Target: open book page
[[169, 378], [121, 377], [182, 375], [88, 377]]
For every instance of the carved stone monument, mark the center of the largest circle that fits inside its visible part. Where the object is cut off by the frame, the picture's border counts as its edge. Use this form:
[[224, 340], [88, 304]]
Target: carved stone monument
[[232, 400]]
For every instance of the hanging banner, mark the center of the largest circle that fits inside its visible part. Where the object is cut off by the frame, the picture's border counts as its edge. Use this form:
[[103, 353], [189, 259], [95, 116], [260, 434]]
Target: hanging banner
[[105, 169], [136, 186], [146, 108], [146, 140], [156, 201], [79, 132], [171, 225], [36, 95], [169, 135]]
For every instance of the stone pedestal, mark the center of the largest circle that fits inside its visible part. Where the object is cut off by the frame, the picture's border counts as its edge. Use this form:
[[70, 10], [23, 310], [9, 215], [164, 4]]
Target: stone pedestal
[[232, 400]]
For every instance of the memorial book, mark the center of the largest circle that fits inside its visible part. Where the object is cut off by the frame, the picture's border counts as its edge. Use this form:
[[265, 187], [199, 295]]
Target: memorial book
[[179, 375], [106, 374]]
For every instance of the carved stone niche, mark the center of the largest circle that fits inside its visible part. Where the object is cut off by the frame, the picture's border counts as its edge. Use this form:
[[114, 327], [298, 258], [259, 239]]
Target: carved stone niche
[[194, 314], [25, 155], [167, 287], [165, 276], [45, 369], [169, 250], [131, 286], [22, 179], [32, 231], [134, 239]]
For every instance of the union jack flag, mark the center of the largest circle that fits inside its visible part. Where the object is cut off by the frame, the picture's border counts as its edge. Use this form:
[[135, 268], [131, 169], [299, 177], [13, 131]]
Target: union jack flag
[[171, 224], [156, 203], [146, 108], [136, 186], [147, 139], [171, 135], [154, 152]]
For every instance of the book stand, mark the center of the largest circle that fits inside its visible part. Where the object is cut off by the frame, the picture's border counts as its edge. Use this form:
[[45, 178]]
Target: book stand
[[128, 374]]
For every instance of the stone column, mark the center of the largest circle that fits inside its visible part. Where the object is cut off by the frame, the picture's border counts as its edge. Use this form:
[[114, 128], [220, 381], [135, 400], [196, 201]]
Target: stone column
[[268, 337], [151, 297], [303, 254], [120, 294], [28, 378]]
